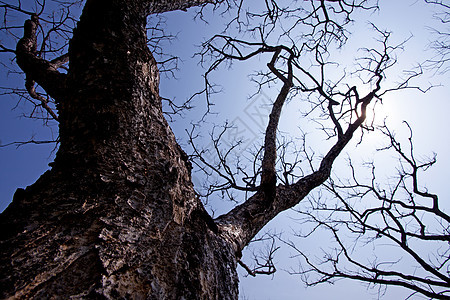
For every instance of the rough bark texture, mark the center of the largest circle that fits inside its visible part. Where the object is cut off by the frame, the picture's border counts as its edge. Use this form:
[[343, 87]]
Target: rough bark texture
[[117, 216]]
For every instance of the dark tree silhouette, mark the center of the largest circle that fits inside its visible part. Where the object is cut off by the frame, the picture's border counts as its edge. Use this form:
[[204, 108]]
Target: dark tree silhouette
[[117, 215]]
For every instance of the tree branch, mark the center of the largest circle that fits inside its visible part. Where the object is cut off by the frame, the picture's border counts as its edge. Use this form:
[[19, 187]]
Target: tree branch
[[268, 175], [38, 69]]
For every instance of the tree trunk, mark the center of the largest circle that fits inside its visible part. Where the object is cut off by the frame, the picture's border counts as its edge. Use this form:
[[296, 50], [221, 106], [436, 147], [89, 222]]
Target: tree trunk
[[116, 216]]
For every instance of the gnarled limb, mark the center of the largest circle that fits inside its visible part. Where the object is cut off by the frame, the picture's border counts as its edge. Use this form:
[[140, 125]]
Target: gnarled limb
[[243, 222], [37, 69]]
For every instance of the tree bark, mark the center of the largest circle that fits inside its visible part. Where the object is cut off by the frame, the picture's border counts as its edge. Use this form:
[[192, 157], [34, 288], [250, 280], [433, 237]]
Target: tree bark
[[116, 216]]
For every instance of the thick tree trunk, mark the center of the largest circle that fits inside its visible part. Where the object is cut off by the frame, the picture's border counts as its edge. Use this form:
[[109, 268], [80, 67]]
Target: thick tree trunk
[[117, 216]]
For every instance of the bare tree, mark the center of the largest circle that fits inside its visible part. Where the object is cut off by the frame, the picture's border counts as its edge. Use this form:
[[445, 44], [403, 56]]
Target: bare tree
[[117, 215]]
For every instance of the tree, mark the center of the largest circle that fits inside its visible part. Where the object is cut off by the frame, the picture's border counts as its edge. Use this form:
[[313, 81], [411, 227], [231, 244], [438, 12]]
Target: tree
[[117, 215]]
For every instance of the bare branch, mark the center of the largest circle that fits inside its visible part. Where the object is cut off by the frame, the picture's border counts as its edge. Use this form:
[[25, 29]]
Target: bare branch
[[36, 68]]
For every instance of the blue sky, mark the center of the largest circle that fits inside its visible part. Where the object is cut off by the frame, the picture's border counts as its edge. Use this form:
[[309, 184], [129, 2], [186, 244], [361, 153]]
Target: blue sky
[[427, 113]]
